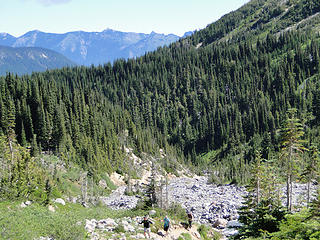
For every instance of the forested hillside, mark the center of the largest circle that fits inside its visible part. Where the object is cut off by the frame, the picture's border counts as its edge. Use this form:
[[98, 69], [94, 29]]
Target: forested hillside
[[224, 91], [25, 60]]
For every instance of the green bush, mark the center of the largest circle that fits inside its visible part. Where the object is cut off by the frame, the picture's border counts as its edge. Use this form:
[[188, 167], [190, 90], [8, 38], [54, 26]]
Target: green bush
[[298, 226], [186, 236], [110, 184], [67, 222], [203, 231], [207, 233], [56, 193], [216, 235], [177, 212], [119, 229], [65, 228]]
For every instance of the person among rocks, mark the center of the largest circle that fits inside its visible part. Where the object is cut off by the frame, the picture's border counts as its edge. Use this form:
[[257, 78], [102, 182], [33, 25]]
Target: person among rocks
[[189, 214], [146, 225], [166, 224]]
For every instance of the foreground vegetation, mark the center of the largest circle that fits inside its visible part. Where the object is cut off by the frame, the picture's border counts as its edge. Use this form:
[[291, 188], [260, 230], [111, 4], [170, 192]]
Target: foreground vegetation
[[67, 222]]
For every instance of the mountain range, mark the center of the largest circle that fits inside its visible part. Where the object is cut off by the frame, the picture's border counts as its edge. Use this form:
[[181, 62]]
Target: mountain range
[[86, 48], [238, 100], [24, 60]]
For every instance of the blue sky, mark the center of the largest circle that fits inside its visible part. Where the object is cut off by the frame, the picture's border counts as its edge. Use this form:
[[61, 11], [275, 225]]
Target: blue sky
[[162, 16]]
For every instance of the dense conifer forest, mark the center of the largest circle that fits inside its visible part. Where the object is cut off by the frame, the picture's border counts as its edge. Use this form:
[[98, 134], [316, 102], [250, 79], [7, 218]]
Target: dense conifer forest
[[211, 99]]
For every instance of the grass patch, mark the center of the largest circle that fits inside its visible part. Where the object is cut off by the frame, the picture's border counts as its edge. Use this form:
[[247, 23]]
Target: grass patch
[[208, 233], [177, 212], [119, 229], [67, 222], [186, 236]]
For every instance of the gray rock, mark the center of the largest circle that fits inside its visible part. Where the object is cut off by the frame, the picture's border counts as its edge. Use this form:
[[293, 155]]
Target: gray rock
[[234, 224], [25, 204], [220, 223], [103, 184], [228, 232], [152, 212], [90, 225], [51, 208], [128, 228], [60, 201], [118, 200], [109, 222]]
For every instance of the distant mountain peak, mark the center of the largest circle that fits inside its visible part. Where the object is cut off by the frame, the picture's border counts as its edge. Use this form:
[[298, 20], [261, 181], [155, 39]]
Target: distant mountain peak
[[33, 32], [110, 30], [88, 48], [23, 60]]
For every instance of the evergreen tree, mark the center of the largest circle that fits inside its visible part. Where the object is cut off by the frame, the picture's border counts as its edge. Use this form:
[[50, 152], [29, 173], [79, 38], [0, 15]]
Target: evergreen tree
[[292, 145], [34, 147], [262, 210], [312, 168]]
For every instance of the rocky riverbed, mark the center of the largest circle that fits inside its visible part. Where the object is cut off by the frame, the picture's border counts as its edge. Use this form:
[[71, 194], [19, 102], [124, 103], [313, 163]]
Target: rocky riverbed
[[209, 203], [118, 200]]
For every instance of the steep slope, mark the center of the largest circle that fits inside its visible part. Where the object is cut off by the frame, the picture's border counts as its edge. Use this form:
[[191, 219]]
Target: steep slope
[[7, 39], [259, 17], [88, 48], [228, 98], [29, 59]]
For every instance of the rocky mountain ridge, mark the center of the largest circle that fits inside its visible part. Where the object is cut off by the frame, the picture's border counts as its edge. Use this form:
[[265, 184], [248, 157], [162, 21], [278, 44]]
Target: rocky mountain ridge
[[25, 60], [86, 48]]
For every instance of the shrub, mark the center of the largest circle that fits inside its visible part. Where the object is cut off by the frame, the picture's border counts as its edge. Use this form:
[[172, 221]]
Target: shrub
[[298, 226], [177, 211], [186, 236], [207, 233], [119, 229]]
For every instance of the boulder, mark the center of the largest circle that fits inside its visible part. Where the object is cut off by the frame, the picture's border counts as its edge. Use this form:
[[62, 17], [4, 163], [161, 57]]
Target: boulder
[[84, 204], [220, 223], [140, 236], [103, 184], [128, 228], [90, 225], [152, 212], [60, 201], [234, 224], [109, 222], [230, 232], [51, 208]]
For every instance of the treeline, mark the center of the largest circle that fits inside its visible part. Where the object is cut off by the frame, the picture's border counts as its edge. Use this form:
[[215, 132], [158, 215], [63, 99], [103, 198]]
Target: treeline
[[226, 98], [258, 17], [263, 214], [198, 100]]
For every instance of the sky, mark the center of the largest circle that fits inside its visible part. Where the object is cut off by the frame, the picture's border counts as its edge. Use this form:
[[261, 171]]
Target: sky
[[144, 16]]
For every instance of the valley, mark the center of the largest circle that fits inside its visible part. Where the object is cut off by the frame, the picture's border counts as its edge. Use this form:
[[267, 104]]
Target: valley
[[223, 123]]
